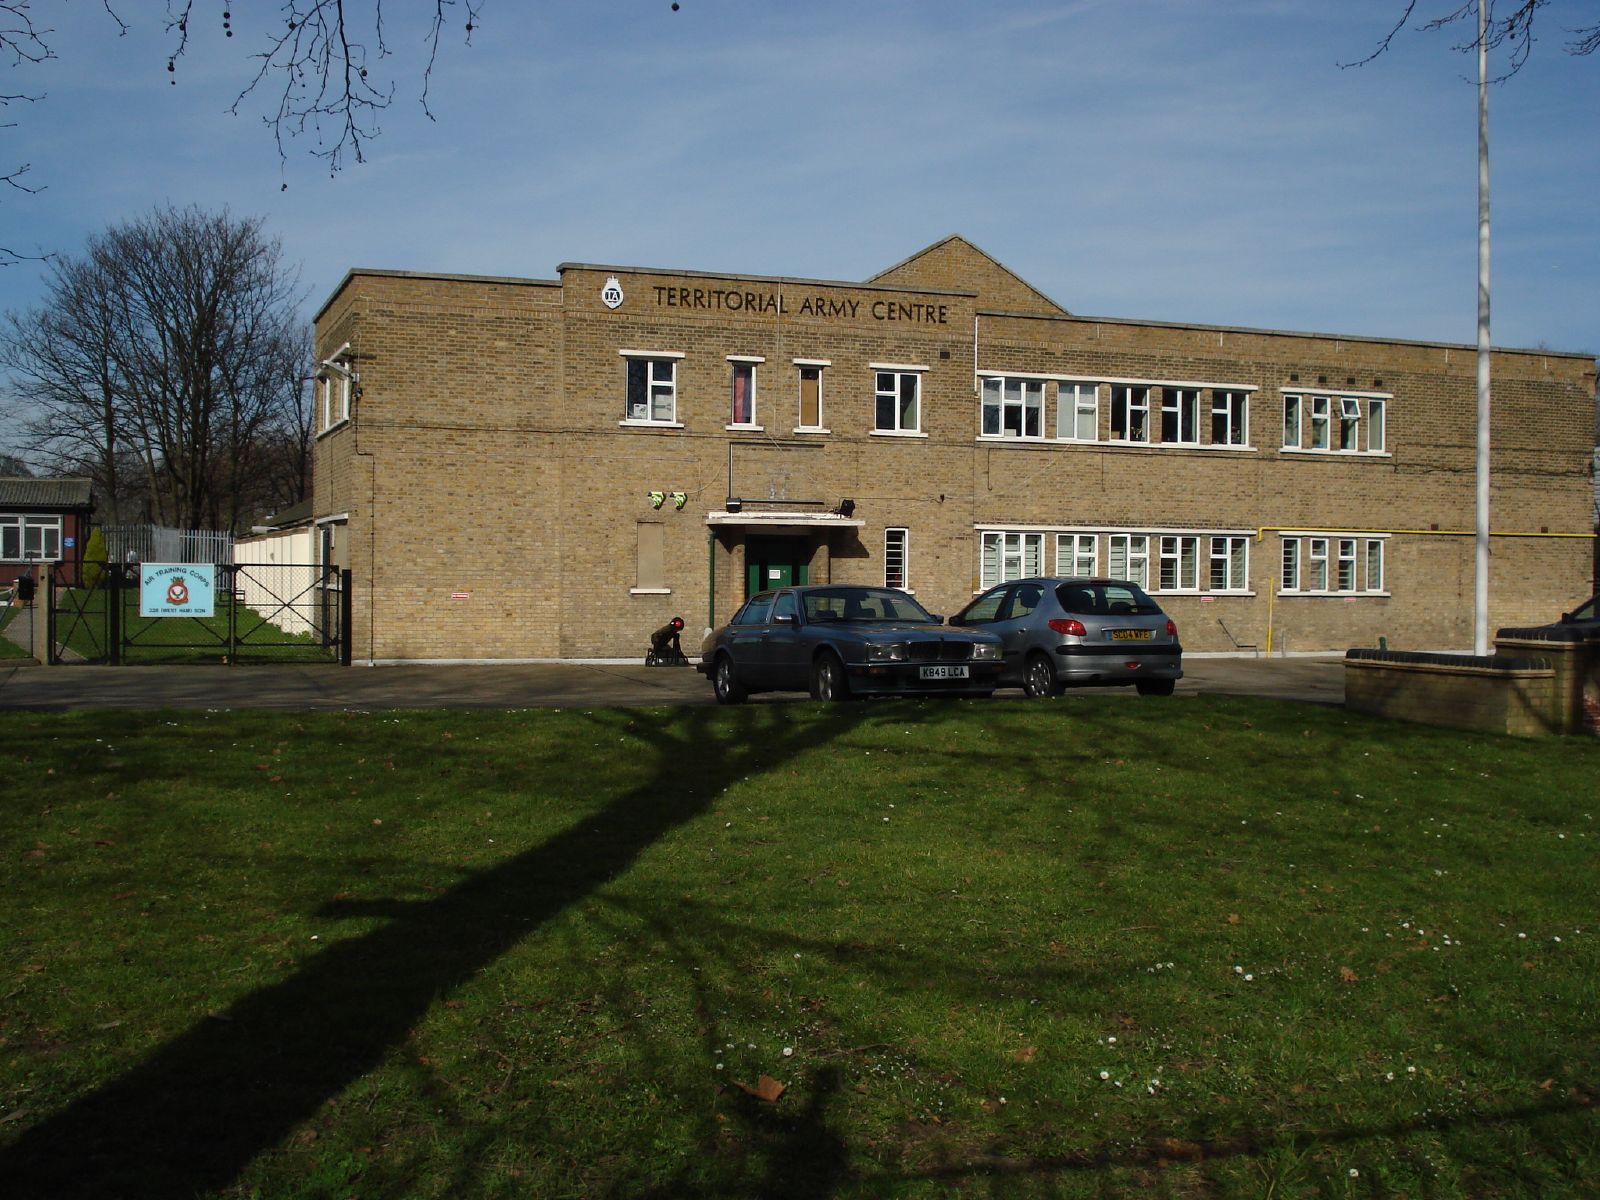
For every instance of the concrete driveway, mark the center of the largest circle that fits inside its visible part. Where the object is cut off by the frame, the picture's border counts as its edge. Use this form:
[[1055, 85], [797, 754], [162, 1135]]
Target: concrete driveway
[[549, 685]]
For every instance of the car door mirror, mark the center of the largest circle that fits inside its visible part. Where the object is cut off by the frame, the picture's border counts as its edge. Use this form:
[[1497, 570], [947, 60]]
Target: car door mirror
[[783, 618]]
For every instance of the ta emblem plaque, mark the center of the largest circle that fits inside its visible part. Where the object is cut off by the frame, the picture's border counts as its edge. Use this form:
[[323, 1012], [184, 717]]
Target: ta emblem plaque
[[611, 294]]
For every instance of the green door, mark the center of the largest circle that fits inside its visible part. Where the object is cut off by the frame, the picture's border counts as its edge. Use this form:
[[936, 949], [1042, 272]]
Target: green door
[[774, 562]]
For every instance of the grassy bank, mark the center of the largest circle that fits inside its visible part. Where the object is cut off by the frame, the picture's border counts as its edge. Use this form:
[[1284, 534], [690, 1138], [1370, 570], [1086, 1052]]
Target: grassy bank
[[1211, 947]]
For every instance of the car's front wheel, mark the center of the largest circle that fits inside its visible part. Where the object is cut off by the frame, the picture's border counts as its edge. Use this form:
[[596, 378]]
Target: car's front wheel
[[1156, 687], [828, 682], [725, 682], [1039, 678]]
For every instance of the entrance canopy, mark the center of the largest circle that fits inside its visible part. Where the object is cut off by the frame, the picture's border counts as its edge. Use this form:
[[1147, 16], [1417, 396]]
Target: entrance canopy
[[802, 521]]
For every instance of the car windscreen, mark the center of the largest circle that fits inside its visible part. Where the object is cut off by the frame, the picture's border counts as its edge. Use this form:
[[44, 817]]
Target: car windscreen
[[1105, 600], [863, 605], [1585, 612]]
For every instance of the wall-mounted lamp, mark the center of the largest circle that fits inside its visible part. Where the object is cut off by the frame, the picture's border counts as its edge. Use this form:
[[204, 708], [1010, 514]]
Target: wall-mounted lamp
[[679, 499], [733, 504], [657, 499], [846, 508]]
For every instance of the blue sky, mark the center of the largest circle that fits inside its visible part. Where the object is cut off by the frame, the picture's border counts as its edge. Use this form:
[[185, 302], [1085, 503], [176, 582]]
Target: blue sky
[[1180, 160]]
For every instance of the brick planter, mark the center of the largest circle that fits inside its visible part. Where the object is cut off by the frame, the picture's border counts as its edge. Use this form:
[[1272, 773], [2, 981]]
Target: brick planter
[[1492, 693]]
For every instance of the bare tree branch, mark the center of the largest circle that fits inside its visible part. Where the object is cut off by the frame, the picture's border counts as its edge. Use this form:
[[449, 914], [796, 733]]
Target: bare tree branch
[[1513, 30], [322, 66]]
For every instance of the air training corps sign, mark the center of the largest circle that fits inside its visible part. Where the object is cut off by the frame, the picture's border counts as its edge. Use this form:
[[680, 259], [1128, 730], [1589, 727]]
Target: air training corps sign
[[177, 590]]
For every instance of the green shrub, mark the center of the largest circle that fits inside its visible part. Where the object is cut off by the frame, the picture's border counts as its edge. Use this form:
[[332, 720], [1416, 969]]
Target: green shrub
[[94, 559]]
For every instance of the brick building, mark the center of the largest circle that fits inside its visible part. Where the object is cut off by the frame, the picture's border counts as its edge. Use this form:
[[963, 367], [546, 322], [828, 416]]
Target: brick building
[[539, 469]]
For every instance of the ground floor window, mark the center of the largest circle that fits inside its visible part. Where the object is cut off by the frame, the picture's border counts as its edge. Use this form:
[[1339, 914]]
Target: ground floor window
[[1156, 562], [30, 539], [1334, 566], [894, 559], [1007, 556]]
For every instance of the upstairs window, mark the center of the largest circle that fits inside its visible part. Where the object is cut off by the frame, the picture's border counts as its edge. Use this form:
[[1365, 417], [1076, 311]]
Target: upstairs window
[[742, 399], [1180, 415], [1013, 407], [652, 388], [810, 395], [1291, 422], [1229, 424], [899, 407], [1377, 410], [1319, 422], [1349, 424], [1130, 413], [1078, 411]]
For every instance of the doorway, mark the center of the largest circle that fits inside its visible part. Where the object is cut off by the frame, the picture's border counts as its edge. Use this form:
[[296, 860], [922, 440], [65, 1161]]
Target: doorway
[[774, 562]]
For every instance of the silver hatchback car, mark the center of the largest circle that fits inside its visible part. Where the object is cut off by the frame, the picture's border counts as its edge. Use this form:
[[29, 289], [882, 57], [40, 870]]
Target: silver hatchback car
[[1058, 633]]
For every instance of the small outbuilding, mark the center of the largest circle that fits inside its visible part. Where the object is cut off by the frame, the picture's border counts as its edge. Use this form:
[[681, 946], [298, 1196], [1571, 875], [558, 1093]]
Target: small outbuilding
[[43, 521]]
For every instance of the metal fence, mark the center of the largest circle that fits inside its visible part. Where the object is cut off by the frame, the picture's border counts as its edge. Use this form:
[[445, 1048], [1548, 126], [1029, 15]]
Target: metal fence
[[158, 543]]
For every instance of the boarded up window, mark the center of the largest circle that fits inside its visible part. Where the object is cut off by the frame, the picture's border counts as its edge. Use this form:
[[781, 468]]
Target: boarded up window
[[811, 397], [652, 555]]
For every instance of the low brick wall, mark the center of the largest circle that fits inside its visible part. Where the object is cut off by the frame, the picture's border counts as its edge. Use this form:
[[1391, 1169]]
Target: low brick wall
[[1574, 653], [1492, 693]]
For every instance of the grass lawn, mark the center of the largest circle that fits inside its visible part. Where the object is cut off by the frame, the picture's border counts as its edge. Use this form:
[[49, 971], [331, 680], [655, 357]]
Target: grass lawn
[[9, 649], [1203, 947]]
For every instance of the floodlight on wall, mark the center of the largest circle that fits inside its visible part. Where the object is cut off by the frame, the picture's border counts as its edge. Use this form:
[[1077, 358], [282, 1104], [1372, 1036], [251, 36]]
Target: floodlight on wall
[[733, 504], [846, 508], [679, 499], [657, 499]]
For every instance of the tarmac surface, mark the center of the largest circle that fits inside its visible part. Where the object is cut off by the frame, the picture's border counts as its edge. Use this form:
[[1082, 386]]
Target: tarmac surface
[[29, 687]]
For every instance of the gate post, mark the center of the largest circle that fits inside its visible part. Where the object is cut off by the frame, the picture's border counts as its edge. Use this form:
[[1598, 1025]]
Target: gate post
[[344, 617], [113, 599], [43, 633]]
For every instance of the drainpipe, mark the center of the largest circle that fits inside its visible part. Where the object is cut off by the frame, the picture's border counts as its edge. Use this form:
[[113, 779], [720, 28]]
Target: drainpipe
[[711, 580]]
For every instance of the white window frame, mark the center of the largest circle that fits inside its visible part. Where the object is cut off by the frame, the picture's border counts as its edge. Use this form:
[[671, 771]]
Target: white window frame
[[652, 360], [1350, 410], [1349, 425], [1377, 424], [1182, 551], [1334, 564], [1004, 395], [1317, 563], [1180, 415], [1013, 551], [820, 366], [898, 372], [1078, 404], [38, 538], [1233, 407], [1078, 554], [1345, 579], [1232, 554], [1130, 399], [897, 555], [1135, 548], [1321, 422], [737, 363]]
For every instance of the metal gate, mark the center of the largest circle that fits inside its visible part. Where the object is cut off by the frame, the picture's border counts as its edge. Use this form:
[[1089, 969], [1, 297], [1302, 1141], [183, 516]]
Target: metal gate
[[272, 612]]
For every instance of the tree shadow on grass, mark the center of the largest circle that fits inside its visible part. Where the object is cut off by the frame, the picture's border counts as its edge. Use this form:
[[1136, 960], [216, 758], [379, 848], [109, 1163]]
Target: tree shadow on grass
[[190, 1117]]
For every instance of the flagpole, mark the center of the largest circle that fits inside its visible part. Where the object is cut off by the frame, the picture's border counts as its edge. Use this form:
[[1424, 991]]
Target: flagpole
[[1480, 631]]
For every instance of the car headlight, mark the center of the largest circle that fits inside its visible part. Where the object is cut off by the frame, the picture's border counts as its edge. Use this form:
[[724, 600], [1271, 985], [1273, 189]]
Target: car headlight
[[985, 651], [886, 652]]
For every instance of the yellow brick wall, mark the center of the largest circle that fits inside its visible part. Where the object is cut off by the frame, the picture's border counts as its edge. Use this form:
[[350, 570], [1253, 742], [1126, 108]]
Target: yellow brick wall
[[487, 456]]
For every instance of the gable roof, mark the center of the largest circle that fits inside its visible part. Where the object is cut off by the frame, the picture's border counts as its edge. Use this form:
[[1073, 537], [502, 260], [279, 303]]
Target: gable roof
[[956, 263], [52, 494]]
